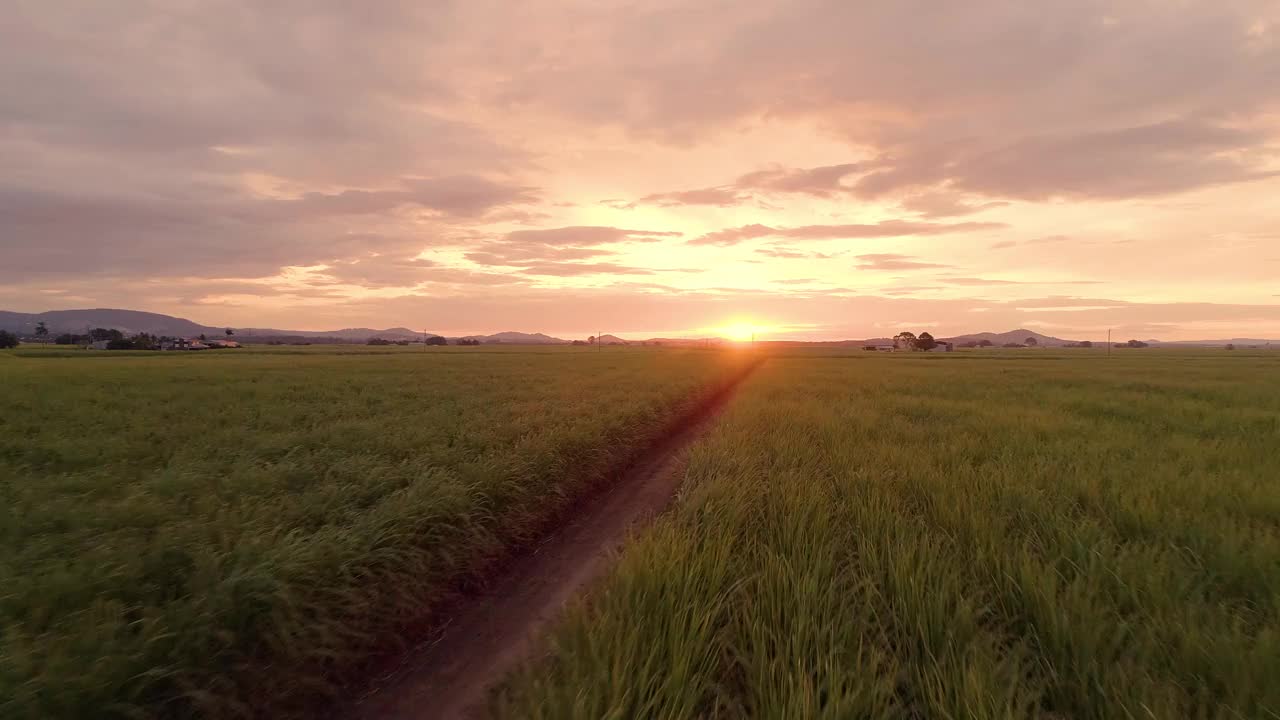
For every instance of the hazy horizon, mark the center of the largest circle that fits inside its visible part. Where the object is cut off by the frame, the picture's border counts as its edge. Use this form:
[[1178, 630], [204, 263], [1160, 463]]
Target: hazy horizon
[[816, 170]]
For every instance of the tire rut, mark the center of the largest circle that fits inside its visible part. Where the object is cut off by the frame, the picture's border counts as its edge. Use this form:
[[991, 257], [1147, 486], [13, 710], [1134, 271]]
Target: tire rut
[[450, 675]]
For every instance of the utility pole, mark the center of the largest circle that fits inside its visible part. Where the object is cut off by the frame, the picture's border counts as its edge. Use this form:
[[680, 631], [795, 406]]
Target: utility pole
[[424, 341], [1108, 342], [599, 341]]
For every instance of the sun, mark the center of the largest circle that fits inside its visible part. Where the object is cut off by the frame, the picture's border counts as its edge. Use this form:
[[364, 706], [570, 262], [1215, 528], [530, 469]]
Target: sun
[[737, 332]]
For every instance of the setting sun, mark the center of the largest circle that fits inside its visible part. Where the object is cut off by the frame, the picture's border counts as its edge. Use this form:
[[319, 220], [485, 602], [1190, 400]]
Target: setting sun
[[738, 332]]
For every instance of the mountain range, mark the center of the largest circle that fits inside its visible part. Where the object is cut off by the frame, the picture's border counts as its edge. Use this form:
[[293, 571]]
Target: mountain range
[[1013, 336], [137, 321], [132, 322]]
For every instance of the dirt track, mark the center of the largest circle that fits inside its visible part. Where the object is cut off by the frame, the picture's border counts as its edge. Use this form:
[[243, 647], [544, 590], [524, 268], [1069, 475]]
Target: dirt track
[[450, 676]]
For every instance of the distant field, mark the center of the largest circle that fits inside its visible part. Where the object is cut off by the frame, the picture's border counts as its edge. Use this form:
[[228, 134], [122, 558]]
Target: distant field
[[229, 532], [976, 535]]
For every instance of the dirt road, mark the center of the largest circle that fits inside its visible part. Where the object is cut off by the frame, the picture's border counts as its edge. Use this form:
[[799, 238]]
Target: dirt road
[[450, 676]]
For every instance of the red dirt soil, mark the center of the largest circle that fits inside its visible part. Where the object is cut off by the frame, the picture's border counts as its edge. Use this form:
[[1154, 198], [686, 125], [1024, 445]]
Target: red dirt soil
[[451, 674]]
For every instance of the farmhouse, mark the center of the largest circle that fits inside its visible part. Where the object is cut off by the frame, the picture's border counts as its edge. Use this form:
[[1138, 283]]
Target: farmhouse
[[186, 344]]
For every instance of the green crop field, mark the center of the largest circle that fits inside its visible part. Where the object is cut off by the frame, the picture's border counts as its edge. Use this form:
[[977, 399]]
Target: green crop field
[[974, 535], [231, 533]]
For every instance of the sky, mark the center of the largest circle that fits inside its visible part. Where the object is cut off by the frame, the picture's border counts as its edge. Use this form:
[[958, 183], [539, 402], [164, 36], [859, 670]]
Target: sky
[[815, 169]]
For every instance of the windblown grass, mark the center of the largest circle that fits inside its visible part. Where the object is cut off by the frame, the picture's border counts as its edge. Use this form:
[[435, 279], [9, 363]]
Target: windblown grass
[[966, 536], [231, 534]]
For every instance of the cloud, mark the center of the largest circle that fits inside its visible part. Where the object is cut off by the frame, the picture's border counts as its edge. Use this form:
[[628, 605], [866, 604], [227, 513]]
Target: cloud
[[886, 228], [996, 281], [585, 235], [504, 254], [890, 261], [1120, 99], [226, 231], [733, 236], [570, 269], [377, 272], [819, 181], [521, 247], [1056, 240], [718, 196], [789, 253], [1124, 162], [822, 182], [939, 204], [284, 135], [909, 289], [464, 195], [979, 281]]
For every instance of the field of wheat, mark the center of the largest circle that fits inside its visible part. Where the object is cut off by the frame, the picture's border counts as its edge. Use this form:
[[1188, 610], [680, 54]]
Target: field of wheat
[[232, 534], [974, 535]]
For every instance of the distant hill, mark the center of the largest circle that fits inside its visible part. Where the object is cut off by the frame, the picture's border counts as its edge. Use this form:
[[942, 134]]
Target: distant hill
[[685, 342], [518, 338], [137, 321], [1013, 336], [126, 321], [132, 322]]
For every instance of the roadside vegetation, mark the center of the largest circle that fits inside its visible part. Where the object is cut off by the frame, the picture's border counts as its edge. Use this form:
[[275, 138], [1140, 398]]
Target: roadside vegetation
[[229, 535], [1054, 535]]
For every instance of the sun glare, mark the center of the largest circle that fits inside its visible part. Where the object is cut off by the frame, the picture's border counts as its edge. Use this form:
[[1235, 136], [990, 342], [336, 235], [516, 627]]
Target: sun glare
[[738, 332]]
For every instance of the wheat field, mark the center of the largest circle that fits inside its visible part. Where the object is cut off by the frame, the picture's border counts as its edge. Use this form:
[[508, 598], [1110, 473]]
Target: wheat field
[[975, 535]]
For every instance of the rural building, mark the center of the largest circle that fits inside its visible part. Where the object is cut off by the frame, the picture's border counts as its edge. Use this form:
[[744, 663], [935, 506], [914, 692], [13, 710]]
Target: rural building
[[182, 344]]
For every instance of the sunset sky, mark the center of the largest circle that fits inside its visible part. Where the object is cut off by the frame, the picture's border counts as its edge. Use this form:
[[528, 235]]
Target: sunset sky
[[816, 169]]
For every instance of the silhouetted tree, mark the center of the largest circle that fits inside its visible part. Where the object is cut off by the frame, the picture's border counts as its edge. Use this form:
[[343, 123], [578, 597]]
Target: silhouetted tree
[[985, 343], [145, 341], [8, 340], [203, 338], [228, 332], [1030, 342], [437, 340], [906, 340], [1231, 346], [1086, 344], [926, 342], [42, 332], [98, 334], [591, 340]]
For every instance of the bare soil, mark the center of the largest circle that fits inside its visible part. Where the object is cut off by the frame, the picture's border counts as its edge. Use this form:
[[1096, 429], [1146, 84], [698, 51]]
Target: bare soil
[[490, 633]]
